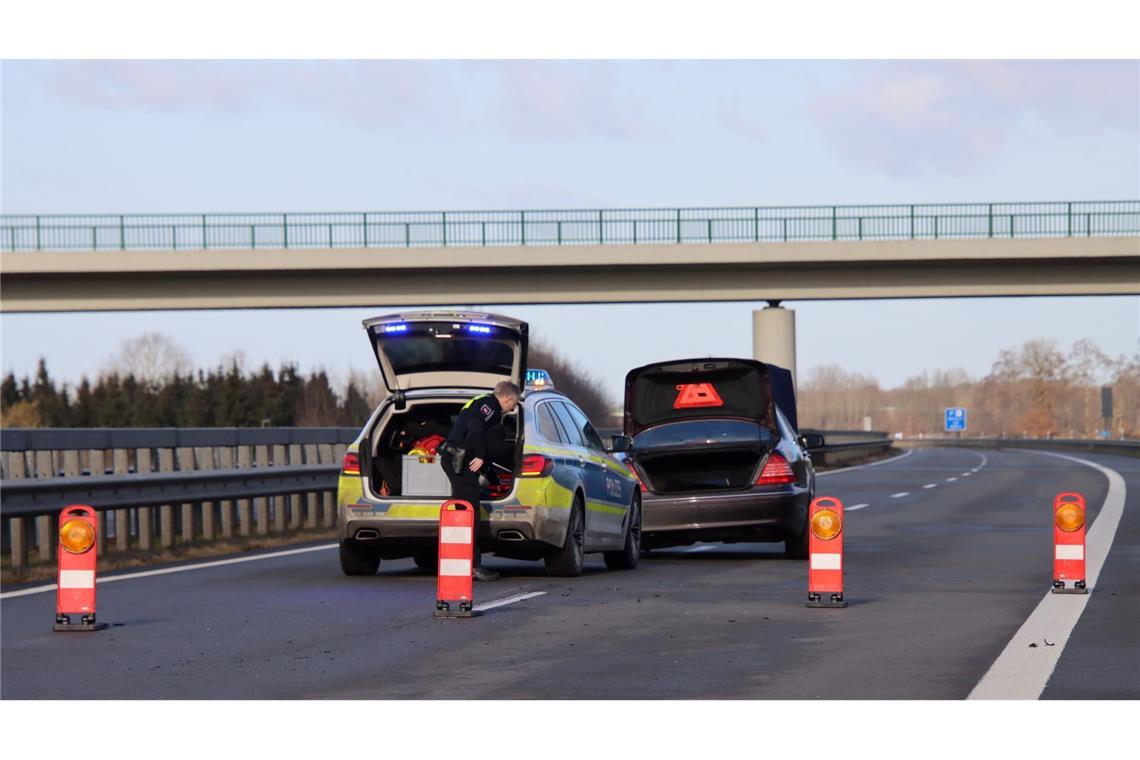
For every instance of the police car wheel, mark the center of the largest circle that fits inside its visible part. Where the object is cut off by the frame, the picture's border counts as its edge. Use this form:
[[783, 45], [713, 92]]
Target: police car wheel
[[567, 561], [426, 561], [358, 560], [627, 557]]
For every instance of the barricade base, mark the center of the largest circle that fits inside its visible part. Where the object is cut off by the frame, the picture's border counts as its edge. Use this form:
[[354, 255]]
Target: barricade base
[[465, 610], [63, 623], [835, 601], [1066, 590]]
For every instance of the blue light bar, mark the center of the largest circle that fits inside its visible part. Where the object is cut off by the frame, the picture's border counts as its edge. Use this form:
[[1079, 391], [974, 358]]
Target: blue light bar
[[480, 329], [397, 328], [539, 379]]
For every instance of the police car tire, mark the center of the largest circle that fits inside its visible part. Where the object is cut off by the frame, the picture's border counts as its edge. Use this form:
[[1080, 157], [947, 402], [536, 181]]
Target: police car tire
[[357, 560], [626, 558], [426, 561], [567, 561]]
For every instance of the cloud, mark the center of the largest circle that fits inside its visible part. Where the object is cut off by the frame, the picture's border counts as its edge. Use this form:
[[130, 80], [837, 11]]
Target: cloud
[[528, 99], [909, 118]]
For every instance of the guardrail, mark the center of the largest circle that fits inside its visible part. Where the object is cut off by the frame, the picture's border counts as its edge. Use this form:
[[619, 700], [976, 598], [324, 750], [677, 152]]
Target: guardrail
[[1128, 448], [160, 487], [400, 229]]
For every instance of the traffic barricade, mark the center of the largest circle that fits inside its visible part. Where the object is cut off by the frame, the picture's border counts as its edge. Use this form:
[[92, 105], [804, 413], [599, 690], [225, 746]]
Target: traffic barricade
[[75, 581], [1069, 544], [456, 553], [825, 553]]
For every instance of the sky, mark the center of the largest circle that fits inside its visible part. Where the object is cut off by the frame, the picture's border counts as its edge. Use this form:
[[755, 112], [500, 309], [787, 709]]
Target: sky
[[229, 136]]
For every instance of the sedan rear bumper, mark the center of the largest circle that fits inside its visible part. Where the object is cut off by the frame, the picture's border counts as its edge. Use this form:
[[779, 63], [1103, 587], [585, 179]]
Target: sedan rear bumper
[[760, 513]]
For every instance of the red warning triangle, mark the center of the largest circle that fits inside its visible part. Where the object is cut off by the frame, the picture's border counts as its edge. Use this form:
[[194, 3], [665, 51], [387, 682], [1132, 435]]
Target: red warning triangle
[[697, 395]]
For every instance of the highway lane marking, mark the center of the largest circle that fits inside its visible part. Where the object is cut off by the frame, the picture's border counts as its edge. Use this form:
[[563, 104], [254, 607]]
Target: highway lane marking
[[931, 485], [950, 480], [701, 548], [965, 474], [872, 464], [857, 506], [900, 494], [179, 569], [508, 600], [1021, 671]]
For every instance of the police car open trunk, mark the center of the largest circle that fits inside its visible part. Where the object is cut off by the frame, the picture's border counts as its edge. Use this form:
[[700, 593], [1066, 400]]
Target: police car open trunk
[[432, 363], [704, 424], [448, 349]]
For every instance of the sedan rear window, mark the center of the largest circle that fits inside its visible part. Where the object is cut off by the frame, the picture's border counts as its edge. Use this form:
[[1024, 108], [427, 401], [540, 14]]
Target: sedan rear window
[[702, 433], [427, 353]]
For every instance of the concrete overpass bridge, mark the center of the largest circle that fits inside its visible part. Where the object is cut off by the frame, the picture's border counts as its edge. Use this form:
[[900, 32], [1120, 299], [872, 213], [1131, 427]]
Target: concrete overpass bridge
[[398, 259]]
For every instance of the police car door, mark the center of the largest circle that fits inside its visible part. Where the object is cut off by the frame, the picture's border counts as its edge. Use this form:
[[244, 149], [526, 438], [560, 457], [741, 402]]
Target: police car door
[[609, 501]]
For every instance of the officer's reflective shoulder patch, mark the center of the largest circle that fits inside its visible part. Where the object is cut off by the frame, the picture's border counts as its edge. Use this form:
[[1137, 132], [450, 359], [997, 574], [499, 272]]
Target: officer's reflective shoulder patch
[[487, 411]]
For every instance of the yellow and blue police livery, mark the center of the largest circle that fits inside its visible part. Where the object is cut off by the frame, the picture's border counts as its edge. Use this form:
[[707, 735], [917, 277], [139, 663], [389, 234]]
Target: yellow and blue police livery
[[561, 496]]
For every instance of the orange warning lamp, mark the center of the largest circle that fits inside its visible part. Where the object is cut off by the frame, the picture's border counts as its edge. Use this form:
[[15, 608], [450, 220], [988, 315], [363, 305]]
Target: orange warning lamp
[[826, 524], [77, 536], [1069, 517]]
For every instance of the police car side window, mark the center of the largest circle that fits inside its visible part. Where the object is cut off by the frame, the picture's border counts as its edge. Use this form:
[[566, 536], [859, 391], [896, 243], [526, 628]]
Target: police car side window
[[546, 424], [575, 437], [593, 440]]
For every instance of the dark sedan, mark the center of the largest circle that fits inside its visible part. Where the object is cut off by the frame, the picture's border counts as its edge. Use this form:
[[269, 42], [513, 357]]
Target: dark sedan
[[714, 443]]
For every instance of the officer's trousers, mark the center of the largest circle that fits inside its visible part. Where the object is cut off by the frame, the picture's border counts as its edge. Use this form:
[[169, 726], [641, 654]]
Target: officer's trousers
[[465, 486]]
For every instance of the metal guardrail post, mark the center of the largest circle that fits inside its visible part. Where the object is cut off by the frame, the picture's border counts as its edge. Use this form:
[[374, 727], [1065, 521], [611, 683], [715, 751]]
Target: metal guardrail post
[[122, 233], [363, 227], [1069, 214], [912, 221], [834, 223], [205, 237], [522, 226], [483, 232], [37, 235], [601, 228], [755, 225], [443, 224], [678, 225], [559, 232], [407, 235]]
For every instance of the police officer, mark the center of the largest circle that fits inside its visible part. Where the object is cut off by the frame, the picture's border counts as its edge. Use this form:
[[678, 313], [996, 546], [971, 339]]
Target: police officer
[[474, 442]]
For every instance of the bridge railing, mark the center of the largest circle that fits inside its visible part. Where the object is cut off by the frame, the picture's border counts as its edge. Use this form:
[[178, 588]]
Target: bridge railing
[[397, 229], [160, 487]]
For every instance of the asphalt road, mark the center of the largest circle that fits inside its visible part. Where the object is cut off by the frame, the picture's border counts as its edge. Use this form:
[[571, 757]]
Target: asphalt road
[[949, 556]]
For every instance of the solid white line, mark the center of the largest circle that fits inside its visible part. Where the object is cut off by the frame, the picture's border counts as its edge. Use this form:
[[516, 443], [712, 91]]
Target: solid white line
[[180, 569], [931, 485], [857, 506], [508, 600], [872, 464], [900, 494], [1021, 671]]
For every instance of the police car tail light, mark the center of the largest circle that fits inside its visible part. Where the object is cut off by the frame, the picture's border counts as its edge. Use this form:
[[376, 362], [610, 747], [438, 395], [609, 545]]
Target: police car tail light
[[776, 471], [77, 536], [351, 464], [536, 466]]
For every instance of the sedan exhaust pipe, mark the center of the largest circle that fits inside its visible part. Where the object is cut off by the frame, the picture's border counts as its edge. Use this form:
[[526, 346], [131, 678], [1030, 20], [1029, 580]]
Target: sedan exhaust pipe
[[367, 534], [511, 535]]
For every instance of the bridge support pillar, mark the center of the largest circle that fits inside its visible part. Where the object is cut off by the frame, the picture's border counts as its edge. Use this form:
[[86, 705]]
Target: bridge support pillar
[[774, 337]]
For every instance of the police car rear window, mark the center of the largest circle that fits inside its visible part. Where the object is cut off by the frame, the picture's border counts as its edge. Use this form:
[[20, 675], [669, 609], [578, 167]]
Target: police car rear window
[[430, 354]]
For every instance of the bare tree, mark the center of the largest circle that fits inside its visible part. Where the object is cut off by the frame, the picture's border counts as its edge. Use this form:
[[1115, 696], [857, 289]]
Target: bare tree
[[152, 358]]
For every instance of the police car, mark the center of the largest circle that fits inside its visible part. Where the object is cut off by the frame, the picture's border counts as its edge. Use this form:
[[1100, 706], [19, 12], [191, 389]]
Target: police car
[[562, 496]]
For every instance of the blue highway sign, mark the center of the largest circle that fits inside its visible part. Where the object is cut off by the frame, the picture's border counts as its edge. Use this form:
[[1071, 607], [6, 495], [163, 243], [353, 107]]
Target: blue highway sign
[[955, 418]]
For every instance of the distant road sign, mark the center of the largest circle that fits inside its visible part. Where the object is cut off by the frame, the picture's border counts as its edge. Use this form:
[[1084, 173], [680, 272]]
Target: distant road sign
[[955, 418]]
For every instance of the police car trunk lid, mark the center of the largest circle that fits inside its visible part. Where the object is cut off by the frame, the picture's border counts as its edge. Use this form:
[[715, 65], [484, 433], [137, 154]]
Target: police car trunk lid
[[448, 349]]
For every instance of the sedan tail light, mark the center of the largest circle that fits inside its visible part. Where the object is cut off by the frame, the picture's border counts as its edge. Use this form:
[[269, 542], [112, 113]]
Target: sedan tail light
[[776, 471], [536, 466]]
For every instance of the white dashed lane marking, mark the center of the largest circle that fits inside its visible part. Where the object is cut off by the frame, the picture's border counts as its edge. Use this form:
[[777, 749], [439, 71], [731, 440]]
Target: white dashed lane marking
[[931, 485], [950, 480], [900, 495], [857, 506]]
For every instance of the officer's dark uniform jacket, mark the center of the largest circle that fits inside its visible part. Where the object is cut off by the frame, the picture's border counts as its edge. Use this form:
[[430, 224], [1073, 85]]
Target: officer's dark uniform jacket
[[478, 430]]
